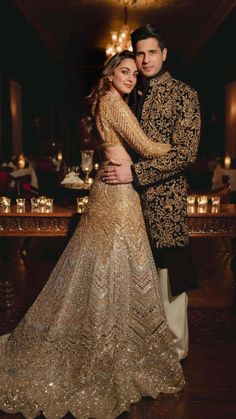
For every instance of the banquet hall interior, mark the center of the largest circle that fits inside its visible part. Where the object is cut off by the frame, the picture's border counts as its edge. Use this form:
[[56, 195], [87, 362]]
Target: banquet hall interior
[[51, 54]]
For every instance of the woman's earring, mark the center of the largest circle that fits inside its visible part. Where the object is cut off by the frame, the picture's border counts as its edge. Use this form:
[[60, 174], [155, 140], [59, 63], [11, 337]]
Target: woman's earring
[[110, 78]]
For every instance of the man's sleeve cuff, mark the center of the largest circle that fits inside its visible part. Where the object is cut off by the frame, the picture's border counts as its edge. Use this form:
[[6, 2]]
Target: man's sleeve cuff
[[135, 177]]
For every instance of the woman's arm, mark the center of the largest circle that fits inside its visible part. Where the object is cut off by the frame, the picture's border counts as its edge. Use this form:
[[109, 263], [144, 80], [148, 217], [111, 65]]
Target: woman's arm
[[115, 112]]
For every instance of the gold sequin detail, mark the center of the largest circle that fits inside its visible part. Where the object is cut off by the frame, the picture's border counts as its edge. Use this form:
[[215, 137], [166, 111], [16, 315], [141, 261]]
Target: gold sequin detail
[[96, 339], [121, 127]]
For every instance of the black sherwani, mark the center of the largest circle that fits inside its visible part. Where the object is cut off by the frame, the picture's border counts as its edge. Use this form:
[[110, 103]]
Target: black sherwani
[[171, 109]]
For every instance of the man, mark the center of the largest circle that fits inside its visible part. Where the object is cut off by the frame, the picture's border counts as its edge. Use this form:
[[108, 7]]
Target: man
[[170, 107]]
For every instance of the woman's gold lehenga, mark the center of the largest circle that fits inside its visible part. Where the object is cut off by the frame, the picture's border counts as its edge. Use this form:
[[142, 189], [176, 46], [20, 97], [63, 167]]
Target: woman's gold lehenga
[[96, 339]]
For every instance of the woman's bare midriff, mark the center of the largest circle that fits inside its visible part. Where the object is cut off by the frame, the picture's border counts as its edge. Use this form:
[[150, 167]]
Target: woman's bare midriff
[[117, 153]]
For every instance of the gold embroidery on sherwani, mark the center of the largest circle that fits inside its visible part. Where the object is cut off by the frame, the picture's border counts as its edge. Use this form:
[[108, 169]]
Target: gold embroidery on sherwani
[[96, 339], [171, 114]]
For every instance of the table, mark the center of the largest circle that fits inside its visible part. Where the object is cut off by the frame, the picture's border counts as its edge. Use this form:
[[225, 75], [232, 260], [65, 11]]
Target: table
[[212, 221], [60, 223], [208, 223], [204, 222], [37, 224]]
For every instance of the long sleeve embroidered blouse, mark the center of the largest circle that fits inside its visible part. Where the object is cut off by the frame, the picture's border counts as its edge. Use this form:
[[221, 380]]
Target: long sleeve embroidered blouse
[[120, 127]]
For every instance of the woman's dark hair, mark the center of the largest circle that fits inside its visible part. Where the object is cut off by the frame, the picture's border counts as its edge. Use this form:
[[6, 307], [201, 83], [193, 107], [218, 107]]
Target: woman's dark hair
[[145, 32], [103, 84]]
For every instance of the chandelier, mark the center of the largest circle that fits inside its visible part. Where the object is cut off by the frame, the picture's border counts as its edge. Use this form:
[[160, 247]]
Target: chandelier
[[133, 3], [128, 2], [120, 41]]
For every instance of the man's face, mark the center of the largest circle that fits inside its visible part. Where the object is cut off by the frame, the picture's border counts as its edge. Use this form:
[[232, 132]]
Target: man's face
[[149, 57]]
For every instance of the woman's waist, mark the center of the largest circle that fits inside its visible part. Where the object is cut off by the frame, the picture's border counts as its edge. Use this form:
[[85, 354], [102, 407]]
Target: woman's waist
[[117, 197], [114, 162], [99, 184], [116, 153]]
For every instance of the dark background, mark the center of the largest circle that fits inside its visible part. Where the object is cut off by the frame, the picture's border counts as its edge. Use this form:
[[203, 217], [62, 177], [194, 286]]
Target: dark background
[[53, 86]]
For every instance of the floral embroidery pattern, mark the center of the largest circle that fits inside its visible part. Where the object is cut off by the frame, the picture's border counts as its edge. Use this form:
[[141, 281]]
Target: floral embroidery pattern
[[171, 109]]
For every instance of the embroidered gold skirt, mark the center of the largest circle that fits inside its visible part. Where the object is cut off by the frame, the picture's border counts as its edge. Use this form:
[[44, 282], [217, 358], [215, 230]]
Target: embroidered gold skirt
[[96, 338]]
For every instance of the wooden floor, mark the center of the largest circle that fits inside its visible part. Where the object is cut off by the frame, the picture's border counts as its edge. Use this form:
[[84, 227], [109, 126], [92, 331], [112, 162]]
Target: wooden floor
[[210, 369]]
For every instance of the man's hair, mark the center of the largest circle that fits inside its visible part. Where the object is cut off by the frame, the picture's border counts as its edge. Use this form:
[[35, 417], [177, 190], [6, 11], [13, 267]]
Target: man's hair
[[145, 32]]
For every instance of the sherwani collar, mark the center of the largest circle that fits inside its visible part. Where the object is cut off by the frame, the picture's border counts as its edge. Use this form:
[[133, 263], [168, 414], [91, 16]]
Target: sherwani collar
[[146, 84], [159, 79]]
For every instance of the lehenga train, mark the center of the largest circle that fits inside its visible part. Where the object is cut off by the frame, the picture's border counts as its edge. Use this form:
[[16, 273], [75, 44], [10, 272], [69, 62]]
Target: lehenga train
[[96, 339]]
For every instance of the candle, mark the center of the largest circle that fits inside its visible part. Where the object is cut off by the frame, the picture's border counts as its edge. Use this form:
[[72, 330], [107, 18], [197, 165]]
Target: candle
[[191, 199], [80, 205], [34, 204], [202, 209], [42, 203], [5, 204], [202, 200], [20, 204], [49, 205], [191, 209], [227, 161], [215, 208], [215, 200]]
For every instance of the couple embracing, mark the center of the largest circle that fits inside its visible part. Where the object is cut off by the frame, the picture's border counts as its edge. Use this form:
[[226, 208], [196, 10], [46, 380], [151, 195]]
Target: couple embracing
[[110, 325]]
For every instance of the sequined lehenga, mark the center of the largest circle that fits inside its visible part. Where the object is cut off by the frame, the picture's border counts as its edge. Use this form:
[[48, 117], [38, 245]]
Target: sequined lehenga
[[96, 339]]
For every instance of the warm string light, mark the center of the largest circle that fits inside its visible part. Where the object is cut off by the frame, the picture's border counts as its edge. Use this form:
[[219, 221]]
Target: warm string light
[[120, 41]]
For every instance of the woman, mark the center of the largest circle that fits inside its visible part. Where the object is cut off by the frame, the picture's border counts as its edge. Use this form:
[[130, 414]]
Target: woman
[[96, 339]]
